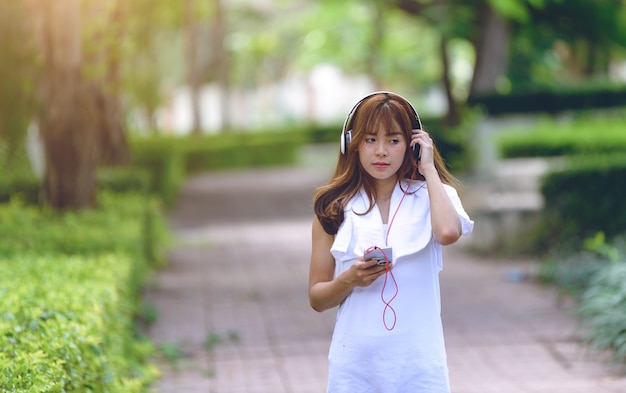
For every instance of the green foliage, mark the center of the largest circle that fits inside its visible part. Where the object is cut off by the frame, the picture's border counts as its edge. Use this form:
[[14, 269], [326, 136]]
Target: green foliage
[[584, 198], [582, 134], [572, 273], [26, 188], [163, 159], [241, 150], [123, 179], [69, 289], [603, 308], [567, 41], [17, 179], [172, 352], [117, 225], [18, 74], [551, 99], [596, 278], [170, 159], [572, 270], [67, 325]]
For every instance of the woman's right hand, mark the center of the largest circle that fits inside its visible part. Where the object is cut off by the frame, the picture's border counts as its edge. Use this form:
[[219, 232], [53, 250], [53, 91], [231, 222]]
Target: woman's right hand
[[363, 272]]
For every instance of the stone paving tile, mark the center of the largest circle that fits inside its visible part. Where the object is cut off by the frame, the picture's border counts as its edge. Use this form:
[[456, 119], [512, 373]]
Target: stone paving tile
[[240, 285]]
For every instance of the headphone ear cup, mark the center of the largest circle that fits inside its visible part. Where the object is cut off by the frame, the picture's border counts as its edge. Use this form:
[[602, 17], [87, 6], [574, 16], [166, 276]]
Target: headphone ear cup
[[346, 138]]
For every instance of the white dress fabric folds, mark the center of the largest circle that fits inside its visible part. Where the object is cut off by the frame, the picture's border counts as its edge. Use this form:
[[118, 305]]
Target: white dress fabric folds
[[365, 355]]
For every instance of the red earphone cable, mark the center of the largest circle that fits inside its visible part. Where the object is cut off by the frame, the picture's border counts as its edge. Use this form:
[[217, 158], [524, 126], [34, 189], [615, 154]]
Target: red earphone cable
[[388, 305], [388, 271], [399, 204]]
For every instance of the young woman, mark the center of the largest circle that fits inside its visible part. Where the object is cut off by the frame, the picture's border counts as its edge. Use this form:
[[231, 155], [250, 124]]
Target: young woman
[[388, 336]]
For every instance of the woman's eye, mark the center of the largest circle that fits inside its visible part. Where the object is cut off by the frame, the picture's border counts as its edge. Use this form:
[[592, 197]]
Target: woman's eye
[[395, 141], [370, 140]]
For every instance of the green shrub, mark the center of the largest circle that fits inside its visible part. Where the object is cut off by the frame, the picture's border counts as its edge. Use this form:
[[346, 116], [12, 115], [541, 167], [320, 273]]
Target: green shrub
[[117, 225], [551, 100], [584, 134], [242, 150], [571, 273], [596, 278], [170, 159], [67, 325], [119, 179], [27, 188], [584, 198], [603, 308], [325, 133], [163, 160], [69, 291], [123, 179]]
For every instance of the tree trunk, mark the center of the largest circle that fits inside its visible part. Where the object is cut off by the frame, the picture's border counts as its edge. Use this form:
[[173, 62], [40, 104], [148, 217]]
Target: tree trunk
[[221, 62], [491, 52], [376, 41], [70, 139], [193, 79], [452, 116], [114, 149]]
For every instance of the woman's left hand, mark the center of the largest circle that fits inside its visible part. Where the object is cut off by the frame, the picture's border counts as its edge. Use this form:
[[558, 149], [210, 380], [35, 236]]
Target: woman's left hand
[[425, 142]]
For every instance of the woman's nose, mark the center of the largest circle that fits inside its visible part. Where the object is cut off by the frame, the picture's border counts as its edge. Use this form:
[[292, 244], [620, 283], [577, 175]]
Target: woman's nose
[[381, 149]]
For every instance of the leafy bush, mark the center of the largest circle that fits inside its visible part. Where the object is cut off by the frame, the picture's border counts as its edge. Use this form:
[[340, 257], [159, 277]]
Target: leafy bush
[[170, 159], [603, 308], [69, 290], [123, 179], [241, 150], [28, 188], [583, 134], [118, 224], [163, 160], [551, 100], [584, 198], [596, 279], [571, 273], [67, 325]]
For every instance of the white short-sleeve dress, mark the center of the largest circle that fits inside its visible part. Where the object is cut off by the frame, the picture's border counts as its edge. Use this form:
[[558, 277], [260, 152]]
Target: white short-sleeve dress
[[399, 347]]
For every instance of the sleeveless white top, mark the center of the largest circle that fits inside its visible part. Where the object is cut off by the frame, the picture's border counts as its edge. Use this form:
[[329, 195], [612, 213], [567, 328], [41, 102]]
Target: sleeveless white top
[[364, 355]]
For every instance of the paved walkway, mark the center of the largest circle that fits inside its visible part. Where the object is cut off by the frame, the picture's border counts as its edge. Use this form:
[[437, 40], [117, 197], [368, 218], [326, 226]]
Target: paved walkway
[[233, 299]]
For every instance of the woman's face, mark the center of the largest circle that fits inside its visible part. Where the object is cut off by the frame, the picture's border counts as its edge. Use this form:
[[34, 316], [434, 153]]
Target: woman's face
[[382, 152]]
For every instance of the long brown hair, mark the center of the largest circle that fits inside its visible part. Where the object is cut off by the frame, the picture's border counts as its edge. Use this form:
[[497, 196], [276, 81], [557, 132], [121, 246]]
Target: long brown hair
[[373, 112]]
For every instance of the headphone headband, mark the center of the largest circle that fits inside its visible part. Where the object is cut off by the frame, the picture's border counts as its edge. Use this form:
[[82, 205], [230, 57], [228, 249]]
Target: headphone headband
[[346, 135]]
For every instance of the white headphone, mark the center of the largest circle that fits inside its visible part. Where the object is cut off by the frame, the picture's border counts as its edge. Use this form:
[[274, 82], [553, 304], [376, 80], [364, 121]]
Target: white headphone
[[346, 135]]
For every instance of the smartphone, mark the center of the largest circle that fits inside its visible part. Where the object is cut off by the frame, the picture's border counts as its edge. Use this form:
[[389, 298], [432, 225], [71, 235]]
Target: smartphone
[[417, 152], [381, 255]]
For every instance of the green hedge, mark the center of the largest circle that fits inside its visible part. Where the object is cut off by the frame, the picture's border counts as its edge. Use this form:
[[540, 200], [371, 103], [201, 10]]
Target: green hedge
[[28, 188], [584, 134], [67, 325], [69, 291], [585, 197], [170, 159], [162, 159], [241, 151], [551, 100]]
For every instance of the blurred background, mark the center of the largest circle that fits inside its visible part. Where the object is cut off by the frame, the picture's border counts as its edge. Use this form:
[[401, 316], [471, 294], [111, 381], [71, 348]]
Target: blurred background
[[107, 106], [106, 73]]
